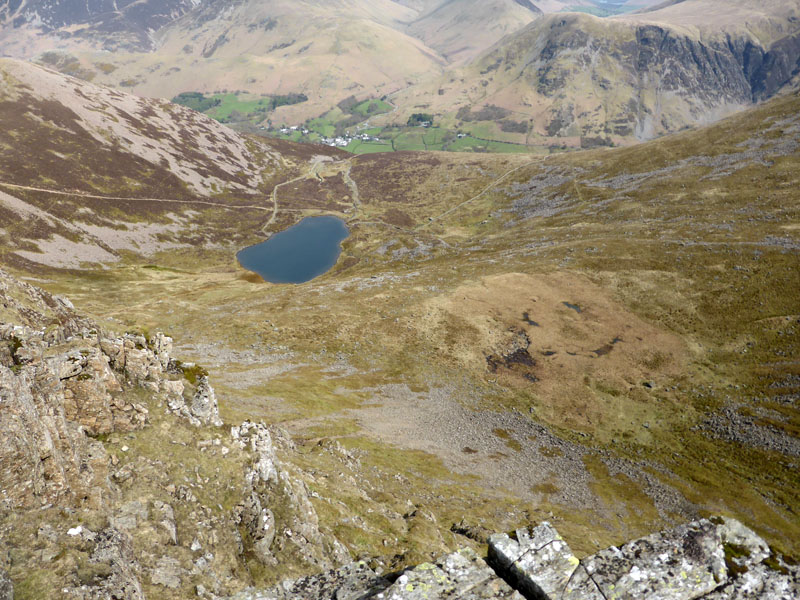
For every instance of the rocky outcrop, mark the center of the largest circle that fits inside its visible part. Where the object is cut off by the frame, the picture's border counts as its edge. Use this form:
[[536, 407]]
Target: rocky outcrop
[[112, 570], [539, 550], [355, 581], [60, 390], [459, 575], [719, 556], [63, 382], [269, 485], [463, 575], [202, 409], [66, 389], [45, 457]]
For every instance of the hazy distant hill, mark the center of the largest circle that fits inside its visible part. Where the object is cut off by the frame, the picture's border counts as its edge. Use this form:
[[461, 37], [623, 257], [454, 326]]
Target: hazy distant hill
[[108, 24], [577, 77], [499, 69], [328, 50], [460, 29]]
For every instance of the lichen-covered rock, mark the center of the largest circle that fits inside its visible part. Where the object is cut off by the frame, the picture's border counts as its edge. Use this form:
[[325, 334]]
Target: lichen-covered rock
[[259, 523], [760, 582], [131, 356], [92, 395], [256, 436], [732, 532], [267, 484], [680, 564], [6, 587], [44, 456], [461, 575], [202, 410], [204, 404], [113, 551], [166, 520], [162, 347], [720, 557], [355, 581], [539, 562], [751, 575]]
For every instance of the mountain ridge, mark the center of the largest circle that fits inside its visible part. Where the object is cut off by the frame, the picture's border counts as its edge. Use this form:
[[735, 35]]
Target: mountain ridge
[[417, 52]]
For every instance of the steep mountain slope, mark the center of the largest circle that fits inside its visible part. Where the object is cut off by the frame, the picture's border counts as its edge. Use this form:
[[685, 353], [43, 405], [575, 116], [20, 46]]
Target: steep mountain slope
[[605, 339], [577, 77], [118, 482], [109, 24], [90, 173], [460, 29], [328, 51], [96, 430]]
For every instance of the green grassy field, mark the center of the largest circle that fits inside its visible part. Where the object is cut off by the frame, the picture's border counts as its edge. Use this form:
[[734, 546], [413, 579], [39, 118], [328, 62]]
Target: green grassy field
[[247, 111], [245, 105], [372, 107]]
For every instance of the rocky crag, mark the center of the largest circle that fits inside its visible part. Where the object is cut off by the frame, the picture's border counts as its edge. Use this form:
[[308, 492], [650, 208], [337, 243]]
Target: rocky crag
[[577, 80], [713, 559], [103, 525]]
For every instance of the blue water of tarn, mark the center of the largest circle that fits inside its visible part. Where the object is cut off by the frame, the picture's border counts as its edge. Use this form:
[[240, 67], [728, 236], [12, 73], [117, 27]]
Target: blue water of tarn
[[299, 253]]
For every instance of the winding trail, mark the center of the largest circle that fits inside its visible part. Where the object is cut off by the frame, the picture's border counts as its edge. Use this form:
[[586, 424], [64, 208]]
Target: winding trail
[[350, 183], [97, 197], [312, 172]]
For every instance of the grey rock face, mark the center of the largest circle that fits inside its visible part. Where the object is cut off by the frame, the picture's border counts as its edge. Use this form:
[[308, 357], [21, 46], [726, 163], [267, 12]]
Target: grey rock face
[[355, 581], [462, 575], [167, 572], [167, 520], [6, 587], [710, 559], [113, 25], [203, 409], [683, 563], [759, 581], [128, 516], [539, 562], [659, 63], [204, 404]]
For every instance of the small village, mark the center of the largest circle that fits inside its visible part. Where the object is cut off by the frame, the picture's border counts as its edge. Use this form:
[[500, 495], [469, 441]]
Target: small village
[[338, 141]]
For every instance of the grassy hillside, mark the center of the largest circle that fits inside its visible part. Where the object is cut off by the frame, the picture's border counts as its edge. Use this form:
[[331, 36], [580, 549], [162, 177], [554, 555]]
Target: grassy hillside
[[606, 339]]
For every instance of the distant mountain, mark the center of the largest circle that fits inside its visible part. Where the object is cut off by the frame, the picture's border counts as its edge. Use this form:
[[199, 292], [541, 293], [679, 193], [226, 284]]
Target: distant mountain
[[110, 24], [520, 71], [460, 29], [581, 79], [327, 50]]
